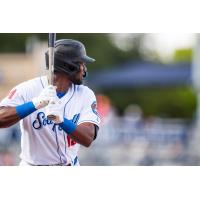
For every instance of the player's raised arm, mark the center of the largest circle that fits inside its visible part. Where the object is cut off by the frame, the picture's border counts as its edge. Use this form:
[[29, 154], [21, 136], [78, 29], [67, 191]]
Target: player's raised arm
[[83, 134], [10, 115]]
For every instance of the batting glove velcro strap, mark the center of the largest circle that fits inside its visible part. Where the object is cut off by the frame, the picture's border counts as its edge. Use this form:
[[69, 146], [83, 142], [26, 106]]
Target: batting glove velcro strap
[[68, 126], [47, 94]]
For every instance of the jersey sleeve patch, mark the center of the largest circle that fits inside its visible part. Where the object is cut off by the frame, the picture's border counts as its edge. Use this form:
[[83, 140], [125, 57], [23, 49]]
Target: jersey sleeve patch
[[94, 108], [12, 93]]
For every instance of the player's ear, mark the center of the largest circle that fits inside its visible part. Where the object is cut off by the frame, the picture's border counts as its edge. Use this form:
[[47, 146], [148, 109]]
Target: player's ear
[[85, 71]]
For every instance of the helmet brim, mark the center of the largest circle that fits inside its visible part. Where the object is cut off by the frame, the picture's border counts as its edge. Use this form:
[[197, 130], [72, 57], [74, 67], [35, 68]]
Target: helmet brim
[[87, 59]]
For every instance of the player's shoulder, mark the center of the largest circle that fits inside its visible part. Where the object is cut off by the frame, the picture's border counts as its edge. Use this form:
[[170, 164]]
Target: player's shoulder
[[34, 82], [42, 80], [83, 89]]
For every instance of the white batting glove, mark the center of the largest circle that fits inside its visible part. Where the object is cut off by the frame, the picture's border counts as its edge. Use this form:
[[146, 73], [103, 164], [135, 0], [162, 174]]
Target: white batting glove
[[47, 94], [55, 109]]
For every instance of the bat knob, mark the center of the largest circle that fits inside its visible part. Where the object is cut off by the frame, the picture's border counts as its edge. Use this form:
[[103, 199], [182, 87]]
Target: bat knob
[[51, 117]]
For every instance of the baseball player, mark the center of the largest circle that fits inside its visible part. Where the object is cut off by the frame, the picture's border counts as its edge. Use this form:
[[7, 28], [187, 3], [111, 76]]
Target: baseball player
[[46, 142]]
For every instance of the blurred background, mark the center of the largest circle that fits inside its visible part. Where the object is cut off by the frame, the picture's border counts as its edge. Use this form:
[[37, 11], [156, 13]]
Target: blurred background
[[148, 93]]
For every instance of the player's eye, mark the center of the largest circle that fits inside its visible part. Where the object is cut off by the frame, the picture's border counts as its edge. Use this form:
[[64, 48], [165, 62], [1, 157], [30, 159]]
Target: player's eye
[[72, 68]]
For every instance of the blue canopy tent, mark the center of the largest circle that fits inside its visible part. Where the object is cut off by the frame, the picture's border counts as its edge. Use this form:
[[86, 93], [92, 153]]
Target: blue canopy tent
[[142, 74]]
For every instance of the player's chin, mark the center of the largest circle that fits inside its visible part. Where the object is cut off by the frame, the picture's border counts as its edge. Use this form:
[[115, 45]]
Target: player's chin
[[78, 81]]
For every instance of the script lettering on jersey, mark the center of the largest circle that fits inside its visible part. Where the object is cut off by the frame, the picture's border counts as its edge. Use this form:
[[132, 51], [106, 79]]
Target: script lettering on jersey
[[42, 120]]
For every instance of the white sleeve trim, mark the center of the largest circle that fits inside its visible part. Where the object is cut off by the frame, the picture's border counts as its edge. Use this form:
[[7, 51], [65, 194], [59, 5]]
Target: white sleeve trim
[[93, 122]]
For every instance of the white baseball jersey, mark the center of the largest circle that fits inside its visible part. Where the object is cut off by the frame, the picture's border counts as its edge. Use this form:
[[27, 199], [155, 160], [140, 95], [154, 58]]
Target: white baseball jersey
[[42, 141]]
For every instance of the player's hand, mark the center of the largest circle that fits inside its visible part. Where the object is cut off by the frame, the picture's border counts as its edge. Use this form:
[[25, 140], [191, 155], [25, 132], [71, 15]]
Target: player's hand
[[47, 94], [55, 109]]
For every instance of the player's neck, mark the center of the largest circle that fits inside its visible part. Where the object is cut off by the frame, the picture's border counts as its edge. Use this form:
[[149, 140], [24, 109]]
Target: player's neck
[[62, 87], [62, 83]]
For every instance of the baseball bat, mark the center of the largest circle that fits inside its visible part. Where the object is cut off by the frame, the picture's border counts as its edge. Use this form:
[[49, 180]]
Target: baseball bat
[[51, 42]]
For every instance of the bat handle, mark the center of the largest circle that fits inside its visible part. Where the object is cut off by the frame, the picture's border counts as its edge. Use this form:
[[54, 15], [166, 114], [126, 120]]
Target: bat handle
[[51, 43], [51, 65], [51, 39]]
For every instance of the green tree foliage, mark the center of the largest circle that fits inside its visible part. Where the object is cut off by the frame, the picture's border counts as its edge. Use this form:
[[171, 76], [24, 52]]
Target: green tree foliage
[[167, 102], [183, 55], [13, 42]]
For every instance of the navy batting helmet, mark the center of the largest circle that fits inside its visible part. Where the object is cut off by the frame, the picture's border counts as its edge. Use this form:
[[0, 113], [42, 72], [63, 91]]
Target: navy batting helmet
[[68, 54]]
